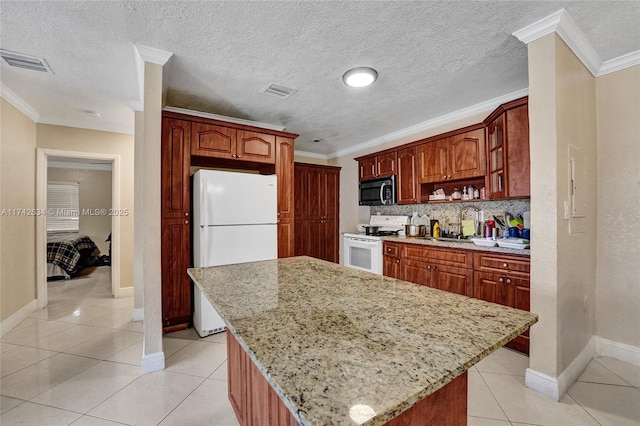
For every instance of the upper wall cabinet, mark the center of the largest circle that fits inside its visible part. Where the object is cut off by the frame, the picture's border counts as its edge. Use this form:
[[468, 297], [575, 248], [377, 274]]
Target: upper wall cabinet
[[508, 151], [456, 157], [208, 140], [376, 166], [407, 165]]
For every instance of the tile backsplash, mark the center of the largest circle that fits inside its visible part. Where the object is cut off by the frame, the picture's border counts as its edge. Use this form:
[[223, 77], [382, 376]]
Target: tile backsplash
[[448, 213]]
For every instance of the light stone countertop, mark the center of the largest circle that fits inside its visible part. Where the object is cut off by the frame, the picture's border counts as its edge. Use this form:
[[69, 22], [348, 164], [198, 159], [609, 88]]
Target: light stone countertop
[[454, 245], [346, 347]]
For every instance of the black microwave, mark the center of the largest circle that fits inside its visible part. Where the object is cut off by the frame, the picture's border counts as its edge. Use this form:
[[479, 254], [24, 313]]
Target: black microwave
[[378, 192]]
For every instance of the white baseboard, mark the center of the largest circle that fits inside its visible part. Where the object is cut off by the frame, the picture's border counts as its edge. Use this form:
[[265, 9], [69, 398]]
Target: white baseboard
[[138, 314], [619, 351], [152, 362], [124, 292], [553, 387], [23, 313]]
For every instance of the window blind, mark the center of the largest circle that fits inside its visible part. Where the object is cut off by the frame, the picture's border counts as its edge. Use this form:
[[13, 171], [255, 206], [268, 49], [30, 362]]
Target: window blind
[[63, 211]]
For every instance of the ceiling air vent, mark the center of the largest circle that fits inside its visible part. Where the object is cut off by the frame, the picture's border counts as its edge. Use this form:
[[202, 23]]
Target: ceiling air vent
[[20, 60], [278, 91]]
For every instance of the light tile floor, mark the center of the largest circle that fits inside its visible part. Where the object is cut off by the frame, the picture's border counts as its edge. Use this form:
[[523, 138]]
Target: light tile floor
[[78, 362]]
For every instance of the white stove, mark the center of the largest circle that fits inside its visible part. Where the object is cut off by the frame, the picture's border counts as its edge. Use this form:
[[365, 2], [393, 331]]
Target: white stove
[[364, 252]]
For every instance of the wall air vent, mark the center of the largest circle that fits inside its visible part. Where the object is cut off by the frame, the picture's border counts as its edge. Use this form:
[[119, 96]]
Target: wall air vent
[[278, 91], [21, 60]]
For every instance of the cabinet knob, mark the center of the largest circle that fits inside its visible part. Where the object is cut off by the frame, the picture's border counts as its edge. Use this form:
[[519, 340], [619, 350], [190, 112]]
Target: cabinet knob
[[429, 267], [186, 222], [186, 214], [501, 280], [508, 281], [444, 177], [397, 260], [449, 177], [505, 265], [238, 156], [233, 155]]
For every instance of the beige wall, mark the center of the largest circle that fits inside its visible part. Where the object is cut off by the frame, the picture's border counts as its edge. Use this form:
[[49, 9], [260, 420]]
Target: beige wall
[[561, 113], [94, 193], [17, 191], [300, 159], [83, 140], [618, 282]]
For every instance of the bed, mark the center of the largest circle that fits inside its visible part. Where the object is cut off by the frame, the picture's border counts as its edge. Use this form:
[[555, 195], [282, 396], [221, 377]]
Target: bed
[[68, 253]]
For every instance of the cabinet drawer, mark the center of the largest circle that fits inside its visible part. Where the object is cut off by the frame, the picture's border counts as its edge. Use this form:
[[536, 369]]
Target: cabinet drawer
[[459, 258], [490, 262], [391, 249]]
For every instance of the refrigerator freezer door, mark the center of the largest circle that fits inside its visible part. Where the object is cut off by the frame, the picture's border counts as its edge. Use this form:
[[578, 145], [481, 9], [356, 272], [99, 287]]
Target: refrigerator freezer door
[[224, 245], [228, 198]]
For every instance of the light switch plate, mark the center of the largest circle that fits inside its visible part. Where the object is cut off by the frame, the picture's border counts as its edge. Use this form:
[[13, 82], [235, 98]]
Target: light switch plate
[[567, 213]]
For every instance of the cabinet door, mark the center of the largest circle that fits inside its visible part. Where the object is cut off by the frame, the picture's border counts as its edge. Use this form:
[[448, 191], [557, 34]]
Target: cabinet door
[[256, 147], [176, 161], [415, 272], [432, 161], [315, 193], [491, 287], [367, 168], [285, 174], [517, 145], [391, 266], [407, 176], [286, 237], [467, 155], [302, 237], [496, 153], [329, 241], [237, 378], [453, 280], [329, 194], [175, 258], [301, 193], [386, 164], [208, 140]]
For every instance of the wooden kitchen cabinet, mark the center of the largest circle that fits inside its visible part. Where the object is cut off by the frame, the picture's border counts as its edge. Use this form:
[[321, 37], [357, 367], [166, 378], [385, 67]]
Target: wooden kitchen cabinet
[[456, 157], [391, 260], [210, 140], [197, 141], [285, 176], [377, 166], [407, 167], [508, 151], [504, 280], [175, 234], [316, 207]]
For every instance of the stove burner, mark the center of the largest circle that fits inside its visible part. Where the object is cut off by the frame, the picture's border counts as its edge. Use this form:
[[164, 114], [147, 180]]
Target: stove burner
[[384, 233]]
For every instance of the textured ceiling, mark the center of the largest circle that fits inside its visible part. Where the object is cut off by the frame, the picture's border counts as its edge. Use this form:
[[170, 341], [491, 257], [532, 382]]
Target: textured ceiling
[[433, 58]]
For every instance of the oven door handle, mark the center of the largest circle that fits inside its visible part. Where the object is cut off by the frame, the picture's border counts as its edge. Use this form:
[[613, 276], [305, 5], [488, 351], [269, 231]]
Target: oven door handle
[[361, 242]]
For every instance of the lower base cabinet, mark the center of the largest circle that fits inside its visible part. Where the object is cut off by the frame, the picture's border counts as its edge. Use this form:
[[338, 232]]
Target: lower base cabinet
[[494, 277]]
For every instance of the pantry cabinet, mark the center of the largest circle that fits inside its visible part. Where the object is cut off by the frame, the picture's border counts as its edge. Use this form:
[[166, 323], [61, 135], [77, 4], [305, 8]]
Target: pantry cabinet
[[456, 157], [189, 141], [316, 190]]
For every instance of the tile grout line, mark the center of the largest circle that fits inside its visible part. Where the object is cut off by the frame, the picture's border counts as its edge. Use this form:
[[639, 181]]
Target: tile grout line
[[612, 372], [184, 399], [494, 397]]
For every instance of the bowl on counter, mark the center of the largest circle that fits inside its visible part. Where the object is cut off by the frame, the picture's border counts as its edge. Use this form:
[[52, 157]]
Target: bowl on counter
[[415, 230], [484, 242]]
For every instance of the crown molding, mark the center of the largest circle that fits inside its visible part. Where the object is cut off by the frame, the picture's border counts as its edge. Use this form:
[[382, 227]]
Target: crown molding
[[98, 126], [619, 63], [483, 107], [81, 166], [15, 100], [562, 24], [307, 154], [223, 118]]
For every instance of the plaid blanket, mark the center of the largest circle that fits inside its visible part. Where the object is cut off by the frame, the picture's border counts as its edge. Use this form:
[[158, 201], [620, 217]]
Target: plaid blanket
[[64, 250]]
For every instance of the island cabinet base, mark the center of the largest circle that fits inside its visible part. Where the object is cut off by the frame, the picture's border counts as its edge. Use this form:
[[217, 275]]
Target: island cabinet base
[[256, 403]]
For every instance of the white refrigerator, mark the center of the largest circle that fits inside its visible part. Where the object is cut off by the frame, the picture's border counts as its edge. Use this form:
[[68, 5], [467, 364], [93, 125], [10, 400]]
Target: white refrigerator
[[235, 218]]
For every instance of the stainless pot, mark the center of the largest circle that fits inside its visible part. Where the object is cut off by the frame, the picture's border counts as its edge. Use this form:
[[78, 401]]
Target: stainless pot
[[415, 230]]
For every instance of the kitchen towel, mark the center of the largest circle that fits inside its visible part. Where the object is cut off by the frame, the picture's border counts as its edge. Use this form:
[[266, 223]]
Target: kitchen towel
[[468, 227]]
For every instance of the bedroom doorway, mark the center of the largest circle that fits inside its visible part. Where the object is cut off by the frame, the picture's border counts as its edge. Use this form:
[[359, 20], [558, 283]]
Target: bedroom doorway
[[101, 229]]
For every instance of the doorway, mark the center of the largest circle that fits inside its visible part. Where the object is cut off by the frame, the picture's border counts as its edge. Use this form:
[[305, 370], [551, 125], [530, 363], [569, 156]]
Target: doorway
[[45, 157]]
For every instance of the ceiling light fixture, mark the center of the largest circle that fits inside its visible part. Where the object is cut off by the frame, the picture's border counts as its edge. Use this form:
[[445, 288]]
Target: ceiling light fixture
[[360, 77]]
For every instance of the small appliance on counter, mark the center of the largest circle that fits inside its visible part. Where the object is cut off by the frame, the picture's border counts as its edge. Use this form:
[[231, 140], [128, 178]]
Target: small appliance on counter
[[363, 251]]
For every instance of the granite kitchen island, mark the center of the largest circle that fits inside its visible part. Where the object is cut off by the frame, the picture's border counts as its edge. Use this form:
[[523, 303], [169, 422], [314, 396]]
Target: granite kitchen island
[[316, 343]]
